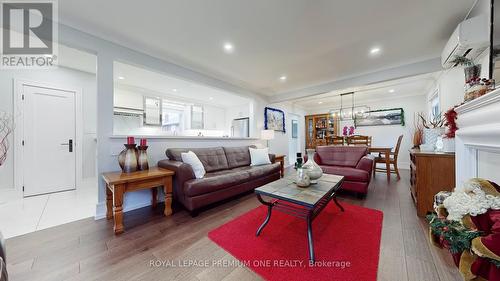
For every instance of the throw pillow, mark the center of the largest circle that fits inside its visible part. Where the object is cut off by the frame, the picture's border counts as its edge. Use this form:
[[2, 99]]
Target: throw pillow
[[259, 156], [193, 160]]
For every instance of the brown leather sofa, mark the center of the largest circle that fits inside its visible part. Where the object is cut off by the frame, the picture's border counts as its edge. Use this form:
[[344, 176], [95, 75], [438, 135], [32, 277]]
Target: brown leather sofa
[[3, 260], [352, 162], [228, 173]]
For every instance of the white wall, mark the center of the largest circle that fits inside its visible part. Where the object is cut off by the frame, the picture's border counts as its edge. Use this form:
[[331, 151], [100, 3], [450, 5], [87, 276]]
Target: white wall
[[388, 135], [280, 143], [66, 78], [107, 146]]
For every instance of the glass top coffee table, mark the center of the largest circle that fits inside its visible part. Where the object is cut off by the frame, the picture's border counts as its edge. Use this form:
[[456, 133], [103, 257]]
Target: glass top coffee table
[[305, 203]]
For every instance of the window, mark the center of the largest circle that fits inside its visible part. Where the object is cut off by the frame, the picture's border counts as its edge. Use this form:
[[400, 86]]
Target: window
[[196, 117], [434, 108], [173, 117]]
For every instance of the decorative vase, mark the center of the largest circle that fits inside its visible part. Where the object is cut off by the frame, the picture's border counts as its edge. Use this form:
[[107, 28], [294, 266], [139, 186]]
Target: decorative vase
[[302, 179], [128, 158], [431, 135], [313, 170], [142, 159], [472, 73]]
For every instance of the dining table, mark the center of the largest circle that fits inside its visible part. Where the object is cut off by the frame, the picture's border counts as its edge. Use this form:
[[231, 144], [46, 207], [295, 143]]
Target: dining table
[[386, 152]]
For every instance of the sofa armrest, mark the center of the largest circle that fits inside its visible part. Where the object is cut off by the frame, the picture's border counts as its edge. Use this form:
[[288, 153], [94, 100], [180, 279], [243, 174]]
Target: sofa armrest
[[3, 255], [366, 163], [272, 157], [183, 173]]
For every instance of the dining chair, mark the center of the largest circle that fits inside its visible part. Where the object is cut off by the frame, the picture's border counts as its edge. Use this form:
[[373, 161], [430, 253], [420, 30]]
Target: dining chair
[[393, 160], [357, 140], [336, 140]]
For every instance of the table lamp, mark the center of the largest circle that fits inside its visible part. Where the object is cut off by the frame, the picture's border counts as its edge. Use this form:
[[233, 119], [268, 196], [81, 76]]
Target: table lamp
[[267, 135]]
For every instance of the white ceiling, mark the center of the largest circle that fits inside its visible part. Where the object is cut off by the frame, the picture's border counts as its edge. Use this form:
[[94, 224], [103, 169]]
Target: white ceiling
[[412, 86], [311, 42], [154, 83]]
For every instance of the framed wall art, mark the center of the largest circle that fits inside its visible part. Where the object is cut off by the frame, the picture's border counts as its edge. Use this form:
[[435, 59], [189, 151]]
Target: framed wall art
[[274, 119]]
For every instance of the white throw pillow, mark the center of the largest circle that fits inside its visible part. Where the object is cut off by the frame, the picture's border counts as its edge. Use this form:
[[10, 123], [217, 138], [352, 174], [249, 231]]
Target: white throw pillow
[[193, 160], [259, 156]]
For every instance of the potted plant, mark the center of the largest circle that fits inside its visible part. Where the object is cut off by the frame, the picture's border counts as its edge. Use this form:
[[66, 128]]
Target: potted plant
[[418, 132], [472, 71]]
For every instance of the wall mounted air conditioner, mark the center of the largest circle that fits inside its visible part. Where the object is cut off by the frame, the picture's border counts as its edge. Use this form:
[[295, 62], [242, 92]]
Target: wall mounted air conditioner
[[470, 39]]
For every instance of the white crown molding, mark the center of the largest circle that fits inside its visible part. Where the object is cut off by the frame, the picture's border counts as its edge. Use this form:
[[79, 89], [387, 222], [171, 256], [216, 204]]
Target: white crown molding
[[412, 69]]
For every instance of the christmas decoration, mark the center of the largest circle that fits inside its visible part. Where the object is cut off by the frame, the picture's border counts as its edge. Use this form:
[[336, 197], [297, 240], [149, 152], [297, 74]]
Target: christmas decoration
[[451, 122], [471, 199], [456, 237], [467, 223]]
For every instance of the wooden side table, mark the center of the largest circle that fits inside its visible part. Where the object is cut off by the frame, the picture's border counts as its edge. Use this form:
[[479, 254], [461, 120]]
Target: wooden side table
[[118, 183], [281, 159]]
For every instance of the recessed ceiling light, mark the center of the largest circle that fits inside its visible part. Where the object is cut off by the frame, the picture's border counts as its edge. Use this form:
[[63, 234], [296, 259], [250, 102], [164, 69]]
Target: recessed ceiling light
[[283, 77], [175, 90], [210, 98], [320, 102], [228, 47], [391, 91], [121, 77], [375, 50]]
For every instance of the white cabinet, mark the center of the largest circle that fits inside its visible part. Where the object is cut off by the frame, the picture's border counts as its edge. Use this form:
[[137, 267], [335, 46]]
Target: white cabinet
[[126, 99]]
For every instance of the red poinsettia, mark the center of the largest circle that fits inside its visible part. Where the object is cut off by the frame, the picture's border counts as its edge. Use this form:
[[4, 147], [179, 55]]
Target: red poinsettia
[[451, 122]]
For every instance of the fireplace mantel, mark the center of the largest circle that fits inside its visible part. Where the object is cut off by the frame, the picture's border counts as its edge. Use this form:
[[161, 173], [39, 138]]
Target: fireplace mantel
[[478, 130]]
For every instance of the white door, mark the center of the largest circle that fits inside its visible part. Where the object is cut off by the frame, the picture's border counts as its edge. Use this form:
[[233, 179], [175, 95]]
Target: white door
[[49, 140]]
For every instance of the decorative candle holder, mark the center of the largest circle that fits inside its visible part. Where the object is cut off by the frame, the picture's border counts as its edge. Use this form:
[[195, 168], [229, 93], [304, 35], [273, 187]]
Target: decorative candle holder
[[142, 160], [128, 158]]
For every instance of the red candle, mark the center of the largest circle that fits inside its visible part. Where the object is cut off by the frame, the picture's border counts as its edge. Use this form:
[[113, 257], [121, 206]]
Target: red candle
[[144, 142], [130, 140]]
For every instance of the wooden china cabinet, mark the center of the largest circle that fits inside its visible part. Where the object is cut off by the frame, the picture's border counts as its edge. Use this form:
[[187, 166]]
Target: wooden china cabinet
[[319, 128]]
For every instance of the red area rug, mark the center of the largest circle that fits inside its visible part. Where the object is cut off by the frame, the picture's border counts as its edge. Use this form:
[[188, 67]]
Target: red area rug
[[346, 244]]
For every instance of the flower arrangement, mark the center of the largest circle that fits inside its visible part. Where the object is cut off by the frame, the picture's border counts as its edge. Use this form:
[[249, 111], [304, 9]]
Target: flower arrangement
[[348, 131], [437, 121], [418, 132], [351, 130]]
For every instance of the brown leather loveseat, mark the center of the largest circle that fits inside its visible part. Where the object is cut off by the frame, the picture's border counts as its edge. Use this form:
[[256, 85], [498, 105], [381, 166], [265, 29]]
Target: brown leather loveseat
[[228, 173]]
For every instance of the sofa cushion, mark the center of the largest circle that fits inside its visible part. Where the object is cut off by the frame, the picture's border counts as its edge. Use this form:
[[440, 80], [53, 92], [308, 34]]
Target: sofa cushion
[[346, 156], [215, 181], [212, 158], [237, 156], [350, 174], [259, 171]]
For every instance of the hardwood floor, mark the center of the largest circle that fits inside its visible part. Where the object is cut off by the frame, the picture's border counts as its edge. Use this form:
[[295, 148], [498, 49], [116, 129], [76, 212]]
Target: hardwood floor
[[88, 249]]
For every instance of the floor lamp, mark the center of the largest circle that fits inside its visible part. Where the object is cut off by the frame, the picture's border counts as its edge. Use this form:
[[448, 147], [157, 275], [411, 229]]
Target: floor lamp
[[267, 135]]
